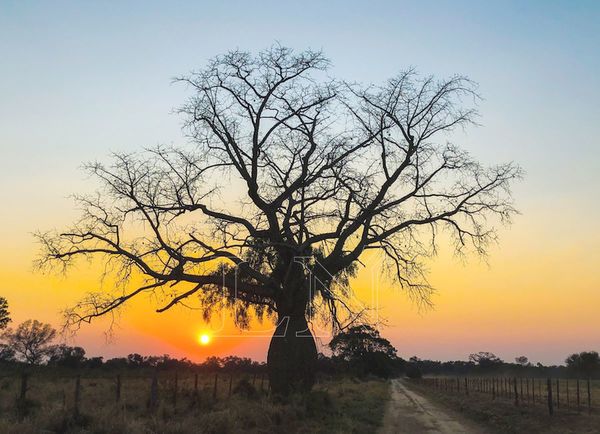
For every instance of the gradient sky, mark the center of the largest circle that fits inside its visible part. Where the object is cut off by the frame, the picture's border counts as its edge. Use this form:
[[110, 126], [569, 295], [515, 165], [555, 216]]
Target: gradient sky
[[81, 79]]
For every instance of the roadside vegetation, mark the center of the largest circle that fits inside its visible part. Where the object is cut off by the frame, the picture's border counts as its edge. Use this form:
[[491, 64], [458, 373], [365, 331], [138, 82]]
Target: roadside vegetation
[[502, 416]]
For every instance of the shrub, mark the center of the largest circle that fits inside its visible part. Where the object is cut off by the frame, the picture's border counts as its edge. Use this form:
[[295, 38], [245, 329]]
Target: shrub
[[413, 371], [246, 389]]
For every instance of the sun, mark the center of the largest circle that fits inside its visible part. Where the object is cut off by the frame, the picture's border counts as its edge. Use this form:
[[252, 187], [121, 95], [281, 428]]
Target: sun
[[204, 339]]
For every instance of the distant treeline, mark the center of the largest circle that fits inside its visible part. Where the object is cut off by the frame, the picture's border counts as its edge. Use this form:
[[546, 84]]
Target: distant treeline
[[585, 364], [359, 350]]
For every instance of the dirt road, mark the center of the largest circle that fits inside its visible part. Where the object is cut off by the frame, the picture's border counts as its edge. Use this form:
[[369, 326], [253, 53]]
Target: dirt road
[[411, 413]]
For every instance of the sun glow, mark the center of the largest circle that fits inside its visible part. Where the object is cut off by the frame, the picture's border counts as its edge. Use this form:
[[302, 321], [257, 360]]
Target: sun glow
[[204, 339]]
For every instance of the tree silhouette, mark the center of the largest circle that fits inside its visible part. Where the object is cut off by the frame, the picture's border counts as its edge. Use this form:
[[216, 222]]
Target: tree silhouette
[[4, 313], [586, 363], [291, 176], [31, 340], [359, 340], [522, 360], [485, 360]]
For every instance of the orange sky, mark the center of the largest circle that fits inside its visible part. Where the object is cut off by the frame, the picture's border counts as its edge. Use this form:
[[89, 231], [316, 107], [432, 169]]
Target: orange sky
[[537, 296]]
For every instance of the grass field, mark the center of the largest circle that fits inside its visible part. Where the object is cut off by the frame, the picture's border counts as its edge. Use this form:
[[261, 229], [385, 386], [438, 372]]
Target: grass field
[[340, 406], [502, 416]]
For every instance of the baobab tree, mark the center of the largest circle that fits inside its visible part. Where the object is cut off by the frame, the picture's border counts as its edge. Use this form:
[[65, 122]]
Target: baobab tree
[[288, 169]]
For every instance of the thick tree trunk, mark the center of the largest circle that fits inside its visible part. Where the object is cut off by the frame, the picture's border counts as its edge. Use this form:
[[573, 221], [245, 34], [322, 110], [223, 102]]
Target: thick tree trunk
[[292, 356]]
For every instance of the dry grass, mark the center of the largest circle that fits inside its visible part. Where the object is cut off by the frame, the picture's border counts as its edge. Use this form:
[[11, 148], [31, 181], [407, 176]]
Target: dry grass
[[342, 406], [502, 416]]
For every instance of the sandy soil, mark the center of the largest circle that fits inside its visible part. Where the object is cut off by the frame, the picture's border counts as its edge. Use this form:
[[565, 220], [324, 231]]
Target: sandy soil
[[411, 413]]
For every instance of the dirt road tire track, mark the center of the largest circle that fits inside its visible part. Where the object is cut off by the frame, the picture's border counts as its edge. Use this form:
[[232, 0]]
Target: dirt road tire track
[[410, 413]]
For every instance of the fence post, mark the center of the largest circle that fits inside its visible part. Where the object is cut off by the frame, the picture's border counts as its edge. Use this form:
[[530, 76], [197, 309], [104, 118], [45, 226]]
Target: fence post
[[466, 386], [568, 403], [493, 388], [516, 391], [550, 407], [533, 390], [557, 393], [589, 393], [153, 392], [23, 394], [118, 389], [527, 390], [215, 386], [175, 386], [578, 399], [196, 383], [230, 384], [521, 383], [76, 397]]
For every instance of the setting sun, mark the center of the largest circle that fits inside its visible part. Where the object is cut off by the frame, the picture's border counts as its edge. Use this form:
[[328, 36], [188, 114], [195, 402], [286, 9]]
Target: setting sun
[[204, 339]]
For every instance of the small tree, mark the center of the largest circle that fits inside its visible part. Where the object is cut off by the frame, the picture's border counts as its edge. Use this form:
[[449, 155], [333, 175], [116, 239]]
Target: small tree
[[522, 360], [586, 363], [4, 313], [359, 340], [31, 340], [66, 356], [485, 359], [365, 350]]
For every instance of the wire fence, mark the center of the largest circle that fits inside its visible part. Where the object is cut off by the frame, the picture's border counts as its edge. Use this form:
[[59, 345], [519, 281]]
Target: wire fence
[[165, 388], [556, 394]]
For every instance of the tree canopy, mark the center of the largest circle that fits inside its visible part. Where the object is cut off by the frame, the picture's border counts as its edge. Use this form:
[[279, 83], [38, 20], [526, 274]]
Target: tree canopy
[[30, 341], [585, 363], [286, 163]]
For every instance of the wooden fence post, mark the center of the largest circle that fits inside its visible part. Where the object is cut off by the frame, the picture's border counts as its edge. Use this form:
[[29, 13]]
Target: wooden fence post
[[466, 386], [153, 402], [230, 384], [516, 391], [533, 390], [521, 383], [568, 404], [196, 383], [550, 406], [175, 386], [578, 398], [215, 386], [493, 388], [118, 389], [23, 393], [589, 396], [557, 393], [527, 390], [77, 396]]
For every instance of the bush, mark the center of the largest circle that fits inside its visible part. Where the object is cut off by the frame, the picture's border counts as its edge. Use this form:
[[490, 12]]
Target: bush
[[318, 402], [246, 389], [413, 371]]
